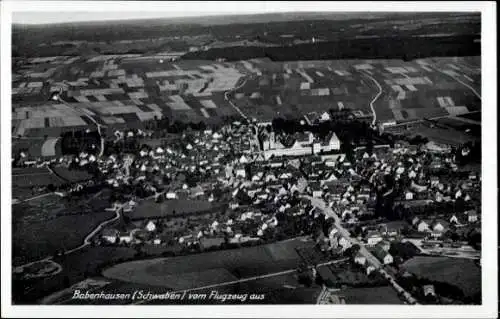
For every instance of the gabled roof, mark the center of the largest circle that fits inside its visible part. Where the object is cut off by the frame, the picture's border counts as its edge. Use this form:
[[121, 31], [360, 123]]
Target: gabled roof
[[379, 252]]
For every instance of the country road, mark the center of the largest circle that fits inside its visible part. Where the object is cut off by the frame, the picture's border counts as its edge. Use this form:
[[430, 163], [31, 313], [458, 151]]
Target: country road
[[226, 96], [33, 198], [319, 203], [375, 98]]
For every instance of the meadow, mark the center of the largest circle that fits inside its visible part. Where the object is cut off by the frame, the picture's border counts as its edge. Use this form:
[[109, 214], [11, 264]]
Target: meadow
[[459, 272], [198, 270]]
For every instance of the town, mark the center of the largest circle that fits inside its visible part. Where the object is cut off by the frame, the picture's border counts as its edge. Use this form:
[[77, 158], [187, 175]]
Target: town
[[211, 161], [245, 184]]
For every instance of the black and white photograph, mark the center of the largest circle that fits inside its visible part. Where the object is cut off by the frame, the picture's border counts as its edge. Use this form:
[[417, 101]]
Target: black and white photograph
[[328, 159]]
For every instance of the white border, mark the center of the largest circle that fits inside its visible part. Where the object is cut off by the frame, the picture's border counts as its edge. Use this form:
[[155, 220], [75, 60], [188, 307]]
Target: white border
[[489, 175]]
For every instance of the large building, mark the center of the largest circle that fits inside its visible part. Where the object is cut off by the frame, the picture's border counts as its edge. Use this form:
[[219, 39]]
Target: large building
[[303, 144]]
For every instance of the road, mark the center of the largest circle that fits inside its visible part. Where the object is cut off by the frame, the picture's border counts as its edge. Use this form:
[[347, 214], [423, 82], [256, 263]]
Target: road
[[319, 203], [226, 96], [374, 121]]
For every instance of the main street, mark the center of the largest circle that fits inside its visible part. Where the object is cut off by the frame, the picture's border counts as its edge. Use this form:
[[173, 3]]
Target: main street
[[320, 203]]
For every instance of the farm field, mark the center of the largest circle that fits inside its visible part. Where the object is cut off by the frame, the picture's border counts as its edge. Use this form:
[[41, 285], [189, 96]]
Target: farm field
[[410, 90], [26, 178], [45, 225], [472, 116], [192, 271], [71, 175], [462, 273], [385, 295], [175, 207], [444, 135], [124, 91]]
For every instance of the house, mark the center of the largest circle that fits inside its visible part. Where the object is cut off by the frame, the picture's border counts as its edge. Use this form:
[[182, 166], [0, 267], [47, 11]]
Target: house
[[171, 195], [360, 259], [384, 244], [414, 221], [422, 226], [316, 190], [344, 243], [373, 238], [125, 238], [472, 216], [331, 143], [429, 290], [439, 226], [412, 174], [110, 235], [383, 255], [434, 181], [393, 228], [409, 196], [454, 220], [370, 269], [197, 191], [157, 241], [240, 172], [244, 160], [325, 116], [150, 226]]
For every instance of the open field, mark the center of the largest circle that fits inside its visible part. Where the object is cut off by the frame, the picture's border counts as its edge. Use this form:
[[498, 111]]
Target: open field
[[410, 90], [71, 175], [462, 273], [24, 179], [385, 295], [124, 91], [43, 226], [175, 207], [226, 265], [442, 135]]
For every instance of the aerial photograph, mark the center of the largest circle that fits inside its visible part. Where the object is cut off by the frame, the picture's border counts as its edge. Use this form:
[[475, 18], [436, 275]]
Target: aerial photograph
[[292, 158]]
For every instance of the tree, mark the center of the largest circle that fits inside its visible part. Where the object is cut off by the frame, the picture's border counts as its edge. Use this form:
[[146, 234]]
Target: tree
[[369, 146], [306, 279]]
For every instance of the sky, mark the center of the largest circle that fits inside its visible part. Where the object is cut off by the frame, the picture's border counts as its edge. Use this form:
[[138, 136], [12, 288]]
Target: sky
[[58, 17], [45, 12]]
